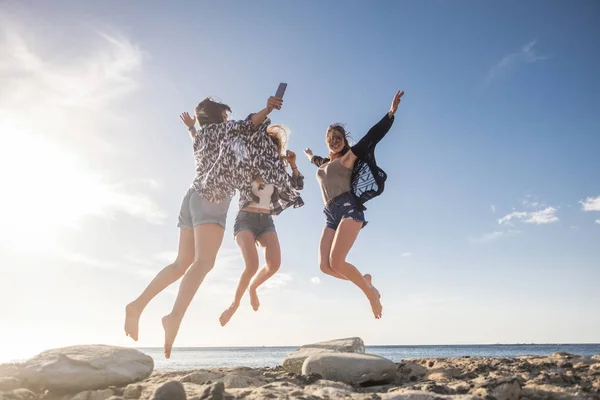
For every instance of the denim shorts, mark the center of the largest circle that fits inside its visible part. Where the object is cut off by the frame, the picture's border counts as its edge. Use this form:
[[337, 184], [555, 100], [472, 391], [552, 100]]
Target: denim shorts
[[257, 223], [196, 211], [343, 206]]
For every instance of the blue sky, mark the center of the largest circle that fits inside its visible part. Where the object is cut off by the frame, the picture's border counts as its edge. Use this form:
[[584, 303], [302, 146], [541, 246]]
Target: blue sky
[[487, 231]]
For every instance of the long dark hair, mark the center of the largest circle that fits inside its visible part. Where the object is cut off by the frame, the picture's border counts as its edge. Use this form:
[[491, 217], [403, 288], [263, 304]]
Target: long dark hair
[[337, 127], [209, 111]]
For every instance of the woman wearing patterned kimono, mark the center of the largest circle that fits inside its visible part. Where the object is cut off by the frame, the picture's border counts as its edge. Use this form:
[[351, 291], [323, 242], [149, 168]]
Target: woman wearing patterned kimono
[[348, 178], [254, 225], [227, 155]]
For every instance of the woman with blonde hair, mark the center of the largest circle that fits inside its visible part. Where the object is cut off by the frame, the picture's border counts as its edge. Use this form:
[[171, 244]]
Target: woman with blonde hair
[[254, 225]]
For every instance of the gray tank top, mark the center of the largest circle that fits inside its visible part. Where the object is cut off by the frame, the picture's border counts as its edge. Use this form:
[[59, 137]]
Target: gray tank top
[[334, 179]]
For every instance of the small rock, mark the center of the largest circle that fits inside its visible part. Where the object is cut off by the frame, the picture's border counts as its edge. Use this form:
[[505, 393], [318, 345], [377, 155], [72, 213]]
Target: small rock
[[565, 364], [133, 391], [240, 381], [201, 377], [214, 391], [18, 394], [309, 379], [93, 395], [354, 369], [411, 371], [9, 383], [501, 389], [293, 362], [562, 355], [421, 395], [172, 390], [507, 391]]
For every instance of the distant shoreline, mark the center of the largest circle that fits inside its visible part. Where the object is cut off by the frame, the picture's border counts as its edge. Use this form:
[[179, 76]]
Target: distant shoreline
[[372, 345]]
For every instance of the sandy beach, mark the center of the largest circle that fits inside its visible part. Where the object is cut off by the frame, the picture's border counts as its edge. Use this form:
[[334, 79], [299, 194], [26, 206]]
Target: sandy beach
[[336, 369]]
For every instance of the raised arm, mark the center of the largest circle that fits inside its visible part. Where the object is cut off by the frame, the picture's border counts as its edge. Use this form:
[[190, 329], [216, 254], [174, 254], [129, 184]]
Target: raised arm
[[272, 104], [190, 123], [374, 135]]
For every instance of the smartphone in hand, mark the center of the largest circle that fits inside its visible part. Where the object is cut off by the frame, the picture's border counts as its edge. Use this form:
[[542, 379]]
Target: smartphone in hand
[[281, 90]]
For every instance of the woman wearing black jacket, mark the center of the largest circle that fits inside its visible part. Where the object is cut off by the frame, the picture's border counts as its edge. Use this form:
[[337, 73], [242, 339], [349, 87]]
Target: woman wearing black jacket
[[348, 178]]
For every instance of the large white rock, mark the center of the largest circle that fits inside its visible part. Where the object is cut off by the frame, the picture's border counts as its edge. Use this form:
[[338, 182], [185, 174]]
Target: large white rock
[[354, 369], [293, 361], [86, 367]]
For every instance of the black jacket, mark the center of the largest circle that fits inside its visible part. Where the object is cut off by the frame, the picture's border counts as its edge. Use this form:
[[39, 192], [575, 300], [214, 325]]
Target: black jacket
[[368, 180]]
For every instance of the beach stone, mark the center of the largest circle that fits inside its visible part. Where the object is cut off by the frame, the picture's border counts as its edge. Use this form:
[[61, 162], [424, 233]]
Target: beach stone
[[421, 395], [94, 395], [274, 390], [351, 368], [133, 391], [562, 355], [9, 383], [86, 367], [18, 394], [293, 361], [411, 371], [240, 381], [172, 390], [201, 377]]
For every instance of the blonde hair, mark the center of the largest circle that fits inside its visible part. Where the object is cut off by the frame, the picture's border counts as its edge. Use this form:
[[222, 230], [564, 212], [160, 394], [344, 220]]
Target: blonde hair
[[279, 134]]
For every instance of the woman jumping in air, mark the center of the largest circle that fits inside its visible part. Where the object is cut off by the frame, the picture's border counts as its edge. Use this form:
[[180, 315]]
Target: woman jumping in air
[[348, 178], [254, 225], [228, 154]]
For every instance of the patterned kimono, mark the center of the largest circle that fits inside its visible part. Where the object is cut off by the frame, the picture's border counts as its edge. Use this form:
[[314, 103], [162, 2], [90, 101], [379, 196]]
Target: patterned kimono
[[231, 155]]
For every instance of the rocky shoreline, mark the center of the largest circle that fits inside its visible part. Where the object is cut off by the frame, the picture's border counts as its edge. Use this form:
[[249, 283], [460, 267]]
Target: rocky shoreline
[[114, 373]]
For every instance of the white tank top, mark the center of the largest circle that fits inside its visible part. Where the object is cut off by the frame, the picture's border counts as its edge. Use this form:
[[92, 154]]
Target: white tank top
[[263, 192]]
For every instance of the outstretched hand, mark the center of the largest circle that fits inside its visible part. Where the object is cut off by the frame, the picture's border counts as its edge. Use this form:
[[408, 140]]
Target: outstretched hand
[[187, 120], [308, 152], [396, 102]]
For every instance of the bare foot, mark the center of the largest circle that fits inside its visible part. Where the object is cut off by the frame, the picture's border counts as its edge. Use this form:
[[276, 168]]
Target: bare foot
[[227, 314], [170, 324], [132, 319], [375, 303], [369, 278], [254, 299]]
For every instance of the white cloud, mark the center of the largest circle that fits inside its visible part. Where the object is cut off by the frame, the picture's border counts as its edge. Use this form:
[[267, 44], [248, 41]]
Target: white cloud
[[597, 221], [315, 280], [493, 208], [63, 78], [406, 254], [545, 216], [494, 236], [590, 204], [527, 55], [512, 216]]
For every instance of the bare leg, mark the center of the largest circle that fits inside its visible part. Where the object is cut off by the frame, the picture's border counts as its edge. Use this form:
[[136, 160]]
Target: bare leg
[[270, 243], [207, 239], [325, 251], [345, 237], [247, 245], [163, 279]]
